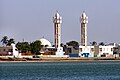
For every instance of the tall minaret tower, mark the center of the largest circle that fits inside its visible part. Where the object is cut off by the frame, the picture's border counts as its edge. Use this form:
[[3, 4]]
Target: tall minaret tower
[[84, 21], [57, 20]]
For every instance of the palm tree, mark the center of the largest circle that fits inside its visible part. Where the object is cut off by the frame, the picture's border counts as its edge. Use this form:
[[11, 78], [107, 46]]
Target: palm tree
[[4, 40], [94, 43], [102, 43], [10, 41]]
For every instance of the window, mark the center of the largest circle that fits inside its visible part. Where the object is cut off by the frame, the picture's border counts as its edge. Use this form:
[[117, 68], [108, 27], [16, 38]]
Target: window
[[92, 49], [100, 49], [81, 49], [111, 49], [16, 50], [103, 49]]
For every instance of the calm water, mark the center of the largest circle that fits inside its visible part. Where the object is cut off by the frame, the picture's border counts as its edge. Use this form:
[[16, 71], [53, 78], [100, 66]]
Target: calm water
[[60, 71]]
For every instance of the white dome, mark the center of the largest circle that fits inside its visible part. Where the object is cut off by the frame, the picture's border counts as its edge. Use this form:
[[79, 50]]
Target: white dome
[[45, 42]]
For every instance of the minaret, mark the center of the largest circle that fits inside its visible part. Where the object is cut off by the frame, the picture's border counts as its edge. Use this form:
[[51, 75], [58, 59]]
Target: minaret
[[57, 20], [84, 21]]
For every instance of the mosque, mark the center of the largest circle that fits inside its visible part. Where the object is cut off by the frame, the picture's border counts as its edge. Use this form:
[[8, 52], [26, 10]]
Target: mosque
[[84, 49]]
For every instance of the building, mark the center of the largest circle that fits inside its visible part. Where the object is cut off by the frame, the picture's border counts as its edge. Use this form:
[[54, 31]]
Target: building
[[84, 50], [10, 51], [92, 51], [6, 51], [57, 20], [105, 51], [45, 42], [84, 21], [57, 50], [47, 48], [96, 51]]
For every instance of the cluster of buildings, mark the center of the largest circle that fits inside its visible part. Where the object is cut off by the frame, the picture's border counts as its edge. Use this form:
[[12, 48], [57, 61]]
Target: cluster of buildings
[[84, 50], [92, 51]]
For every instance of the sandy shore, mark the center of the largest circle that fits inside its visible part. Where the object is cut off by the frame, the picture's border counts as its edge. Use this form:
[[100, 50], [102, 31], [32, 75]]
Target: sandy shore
[[59, 59]]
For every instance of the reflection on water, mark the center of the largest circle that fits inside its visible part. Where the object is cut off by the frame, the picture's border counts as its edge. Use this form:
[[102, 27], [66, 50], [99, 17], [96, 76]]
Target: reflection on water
[[60, 71]]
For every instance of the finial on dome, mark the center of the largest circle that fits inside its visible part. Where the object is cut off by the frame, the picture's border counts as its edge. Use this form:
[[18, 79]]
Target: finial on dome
[[57, 14], [83, 14]]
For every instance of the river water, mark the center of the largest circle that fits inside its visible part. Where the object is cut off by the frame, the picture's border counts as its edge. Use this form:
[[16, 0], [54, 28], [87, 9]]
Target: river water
[[85, 70]]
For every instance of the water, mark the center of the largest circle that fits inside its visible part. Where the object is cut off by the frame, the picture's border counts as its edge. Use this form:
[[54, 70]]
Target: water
[[95, 70]]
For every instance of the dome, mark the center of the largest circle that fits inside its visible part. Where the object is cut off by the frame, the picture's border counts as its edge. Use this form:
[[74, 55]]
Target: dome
[[45, 42]]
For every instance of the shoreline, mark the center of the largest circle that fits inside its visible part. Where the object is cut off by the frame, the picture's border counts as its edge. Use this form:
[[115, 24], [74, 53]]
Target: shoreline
[[61, 60]]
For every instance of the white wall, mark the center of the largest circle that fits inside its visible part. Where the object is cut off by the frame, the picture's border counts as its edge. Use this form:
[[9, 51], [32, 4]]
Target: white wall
[[108, 50], [86, 49]]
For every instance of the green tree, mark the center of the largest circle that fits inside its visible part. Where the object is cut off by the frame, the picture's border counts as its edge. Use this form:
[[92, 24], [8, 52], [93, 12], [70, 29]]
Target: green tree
[[35, 47], [23, 47], [94, 43], [4, 40], [75, 44], [10, 41], [64, 47], [102, 43]]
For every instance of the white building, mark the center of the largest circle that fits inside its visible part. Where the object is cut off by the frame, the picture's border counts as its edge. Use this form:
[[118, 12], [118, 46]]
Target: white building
[[92, 51], [96, 51], [106, 51], [86, 51]]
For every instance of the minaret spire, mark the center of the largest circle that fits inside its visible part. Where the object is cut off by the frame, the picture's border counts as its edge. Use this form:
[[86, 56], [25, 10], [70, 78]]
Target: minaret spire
[[57, 20], [84, 21]]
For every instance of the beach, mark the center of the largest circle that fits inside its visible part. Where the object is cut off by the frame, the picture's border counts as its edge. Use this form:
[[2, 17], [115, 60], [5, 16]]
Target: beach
[[57, 59]]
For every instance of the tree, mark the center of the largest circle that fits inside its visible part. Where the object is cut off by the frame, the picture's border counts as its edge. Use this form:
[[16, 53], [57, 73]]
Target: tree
[[10, 41], [64, 47], [75, 44], [4, 40], [35, 46], [24, 47], [94, 43], [102, 43]]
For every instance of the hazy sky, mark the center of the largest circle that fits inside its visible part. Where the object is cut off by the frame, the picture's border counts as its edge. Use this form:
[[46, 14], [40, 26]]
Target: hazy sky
[[33, 19]]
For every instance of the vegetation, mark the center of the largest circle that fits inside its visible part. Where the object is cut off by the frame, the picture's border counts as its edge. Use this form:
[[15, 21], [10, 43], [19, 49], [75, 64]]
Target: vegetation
[[10, 41], [35, 47], [102, 43], [7, 42], [23, 47], [94, 43], [64, 47], [75, 44], [4, 40]]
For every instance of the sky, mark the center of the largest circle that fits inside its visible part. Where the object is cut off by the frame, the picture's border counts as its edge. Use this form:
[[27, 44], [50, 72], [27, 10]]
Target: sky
[[33, 19]]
